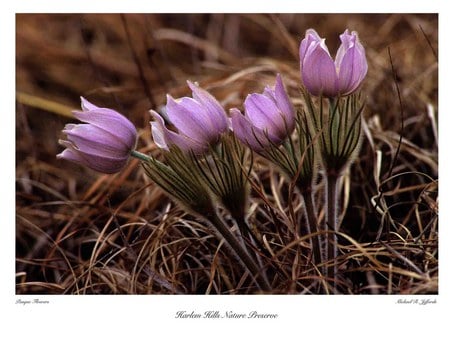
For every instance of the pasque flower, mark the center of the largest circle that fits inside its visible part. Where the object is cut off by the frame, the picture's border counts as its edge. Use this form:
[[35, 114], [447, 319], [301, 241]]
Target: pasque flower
[[322, 75], [269, 118], [103, 143], [199, 122]]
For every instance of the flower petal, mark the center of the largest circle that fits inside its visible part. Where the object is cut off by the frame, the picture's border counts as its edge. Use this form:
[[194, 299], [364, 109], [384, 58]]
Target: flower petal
[[71, 155], [94, 140], [284, 103], [264, 114], [215, 110], [111, 121], [347, 42], [249, 134], [104, 143], [353, 66], [102, 164], [159, 131], [164, 138], [190, 118], [86, 105], [310, 37], [319, 71], [270, 93]]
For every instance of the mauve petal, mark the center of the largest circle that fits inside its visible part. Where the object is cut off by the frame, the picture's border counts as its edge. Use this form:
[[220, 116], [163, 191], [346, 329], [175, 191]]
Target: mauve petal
[[264, 114], [359, 46], [351, 63], [190, 123], [95, 140], [86, 105], [247, 133], [164, 138], [111, 121], [347, 42], [98, 163], [104, 143], [103, 164], [347, 72], [319, 72], [361, 59], [284, 103], [71, 155], [270, 93], [202, 118], [159, 131], [310, 37], [352, 71], [214, 108]]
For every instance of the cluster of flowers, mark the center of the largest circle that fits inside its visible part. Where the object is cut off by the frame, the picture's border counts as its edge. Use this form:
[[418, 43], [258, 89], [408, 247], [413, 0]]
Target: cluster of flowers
[[106, 141], [197, 125]]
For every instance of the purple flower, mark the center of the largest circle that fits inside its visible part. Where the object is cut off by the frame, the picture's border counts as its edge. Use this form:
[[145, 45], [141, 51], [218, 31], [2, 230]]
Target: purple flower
[[104, 143], [322, 75], [269, 118], [199, 122]]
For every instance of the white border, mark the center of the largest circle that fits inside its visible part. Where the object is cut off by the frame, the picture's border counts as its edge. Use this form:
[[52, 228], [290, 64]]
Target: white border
[[119, 316]]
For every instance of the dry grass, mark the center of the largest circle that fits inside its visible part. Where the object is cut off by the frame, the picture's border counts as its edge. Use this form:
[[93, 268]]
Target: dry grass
[[79, 232]]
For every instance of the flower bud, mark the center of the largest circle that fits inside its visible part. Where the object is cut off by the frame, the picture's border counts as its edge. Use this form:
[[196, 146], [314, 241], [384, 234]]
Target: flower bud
[[323, 76], [269, 118], [199, 122], [103, 143]]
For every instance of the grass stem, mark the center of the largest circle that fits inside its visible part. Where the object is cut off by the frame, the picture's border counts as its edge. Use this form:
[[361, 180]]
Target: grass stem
[[332, 227]]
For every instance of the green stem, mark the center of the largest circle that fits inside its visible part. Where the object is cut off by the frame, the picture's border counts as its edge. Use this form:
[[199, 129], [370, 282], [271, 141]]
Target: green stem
[[234, 243], [313, 224], [140, 155], [332, 224]]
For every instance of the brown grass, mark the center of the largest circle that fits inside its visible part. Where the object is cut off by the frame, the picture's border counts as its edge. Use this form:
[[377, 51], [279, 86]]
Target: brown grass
[[79, 232]]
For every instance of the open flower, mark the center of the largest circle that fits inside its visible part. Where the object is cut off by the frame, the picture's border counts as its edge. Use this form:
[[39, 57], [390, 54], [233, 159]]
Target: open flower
[[322, 75], [104, 143], [199, 122], [269, 118]]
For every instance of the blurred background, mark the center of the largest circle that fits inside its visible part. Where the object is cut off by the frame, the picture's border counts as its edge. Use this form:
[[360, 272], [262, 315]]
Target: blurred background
[[129, 62]]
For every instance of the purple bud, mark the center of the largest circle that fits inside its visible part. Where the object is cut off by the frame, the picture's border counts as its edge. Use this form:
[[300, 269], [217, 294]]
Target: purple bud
[[322, 75], [248, 134], [199, 122], [164, 137], [104, 143], [269, 118]]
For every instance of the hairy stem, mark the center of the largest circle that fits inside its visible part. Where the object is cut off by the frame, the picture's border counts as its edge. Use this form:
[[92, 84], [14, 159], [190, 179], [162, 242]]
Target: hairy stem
[[140, 156], [313, 224], [253, 243], [240, 251], [332, 224]]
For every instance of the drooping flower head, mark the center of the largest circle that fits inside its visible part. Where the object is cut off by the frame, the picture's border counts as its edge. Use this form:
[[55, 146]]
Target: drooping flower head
[[322, 75], [199, 121], [269, 118], [103, 143]]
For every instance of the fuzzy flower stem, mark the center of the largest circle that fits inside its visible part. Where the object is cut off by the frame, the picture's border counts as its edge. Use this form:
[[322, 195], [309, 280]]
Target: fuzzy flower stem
[[140, 156], [332, 226], [234, 243], [248, 233], [313, 224], [253, 242]]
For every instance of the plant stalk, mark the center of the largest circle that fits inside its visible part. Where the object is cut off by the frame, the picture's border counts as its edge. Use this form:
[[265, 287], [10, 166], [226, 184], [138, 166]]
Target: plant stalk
[[313, 224], [332, 227], [140, 156], [234, 243]]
